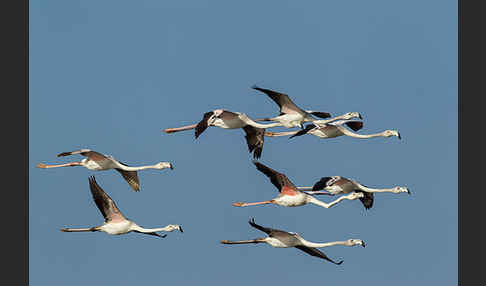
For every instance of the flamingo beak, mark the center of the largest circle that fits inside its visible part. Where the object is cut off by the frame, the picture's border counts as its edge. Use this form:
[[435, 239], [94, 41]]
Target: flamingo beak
[[364, 244], [171, 166], [399, 137], [359, 116], [180, 229]]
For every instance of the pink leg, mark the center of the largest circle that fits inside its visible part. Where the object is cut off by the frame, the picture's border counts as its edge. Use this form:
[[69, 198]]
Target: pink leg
[[44, 166], [240, 204], [172, 130]]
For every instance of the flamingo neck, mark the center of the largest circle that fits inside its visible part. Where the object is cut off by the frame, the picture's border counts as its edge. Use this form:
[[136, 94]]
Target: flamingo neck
[[148, 230], [250, 122], [324, 244], [373, 190], [363, 136], [136, 168]]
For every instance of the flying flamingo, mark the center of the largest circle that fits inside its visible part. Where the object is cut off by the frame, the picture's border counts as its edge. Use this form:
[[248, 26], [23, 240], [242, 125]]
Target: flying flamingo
[[339, 185], [115, 222], [231, 120], [99, 162], [283, 239], [335, 129], [290, 114], [289, 195]]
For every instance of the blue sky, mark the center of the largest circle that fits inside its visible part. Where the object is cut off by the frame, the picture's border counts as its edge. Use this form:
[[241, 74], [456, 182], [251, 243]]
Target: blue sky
[[111, 75]]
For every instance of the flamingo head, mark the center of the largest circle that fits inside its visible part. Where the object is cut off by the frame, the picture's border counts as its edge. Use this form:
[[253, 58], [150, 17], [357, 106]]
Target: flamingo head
[[351, 115], [397, 190], [172, 227], [355, 241], [389, 133], [164, 165]]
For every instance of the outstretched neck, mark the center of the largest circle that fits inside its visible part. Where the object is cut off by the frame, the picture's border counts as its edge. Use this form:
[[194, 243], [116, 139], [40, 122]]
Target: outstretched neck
[[373, 190], [147, 230], [363, 136], [250, 122], [136, 168], [312, 200], [323, 244]]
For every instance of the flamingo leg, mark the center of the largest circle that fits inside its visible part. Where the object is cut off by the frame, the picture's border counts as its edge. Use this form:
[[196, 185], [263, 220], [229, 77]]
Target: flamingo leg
[[79, 229], [172, 130], [305, 188], [257, 240], [44, 166], [240, 204]]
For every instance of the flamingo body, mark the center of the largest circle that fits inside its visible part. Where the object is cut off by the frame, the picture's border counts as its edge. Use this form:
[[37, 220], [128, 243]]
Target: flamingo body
[[283, 239], [99, 162], [115, 222]]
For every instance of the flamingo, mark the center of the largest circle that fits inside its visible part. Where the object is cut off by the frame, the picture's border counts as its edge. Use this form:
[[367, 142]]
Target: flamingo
[[335, 129], [339, 185], [289, 195], [99, 162], [115, 222], [290, 114], [254, 132], [284, 239]]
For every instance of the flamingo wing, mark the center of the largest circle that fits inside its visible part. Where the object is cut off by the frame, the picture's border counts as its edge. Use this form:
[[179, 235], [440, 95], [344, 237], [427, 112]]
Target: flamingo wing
[[319, 114], [326, 182], [279, 180], [354, 125], [282, 100], [316, 252], [301, 132], [203, 124], [266, 230], [367, 200], [131, 177], [105, 204], [92, 155], [255, 137]]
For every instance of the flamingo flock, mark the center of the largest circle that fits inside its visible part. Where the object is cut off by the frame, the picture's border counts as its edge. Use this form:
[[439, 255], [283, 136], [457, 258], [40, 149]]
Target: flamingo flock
[[319, 123]]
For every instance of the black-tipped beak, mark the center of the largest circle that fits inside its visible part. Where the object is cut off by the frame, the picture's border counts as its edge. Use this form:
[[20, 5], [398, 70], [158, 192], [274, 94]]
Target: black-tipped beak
[[180, 229], [364, 244], [399, 137], [359, 116], [171, 166], [408, 191]]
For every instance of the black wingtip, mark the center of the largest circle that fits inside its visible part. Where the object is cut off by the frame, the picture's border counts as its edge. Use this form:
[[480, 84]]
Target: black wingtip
[[340, 262], [63, 154]]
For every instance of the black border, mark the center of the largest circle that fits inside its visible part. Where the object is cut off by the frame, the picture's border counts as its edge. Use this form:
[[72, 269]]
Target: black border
[[15, 117], [471, 51]]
